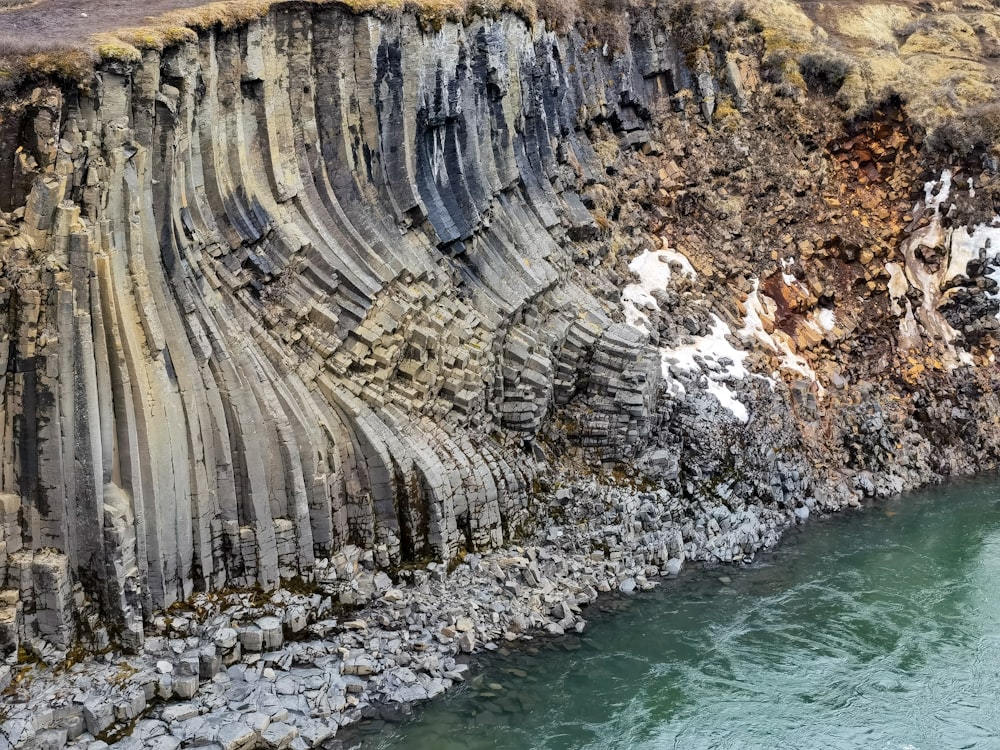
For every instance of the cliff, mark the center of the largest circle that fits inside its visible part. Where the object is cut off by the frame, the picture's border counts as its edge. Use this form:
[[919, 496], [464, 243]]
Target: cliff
[[302, 284], [329, 280]]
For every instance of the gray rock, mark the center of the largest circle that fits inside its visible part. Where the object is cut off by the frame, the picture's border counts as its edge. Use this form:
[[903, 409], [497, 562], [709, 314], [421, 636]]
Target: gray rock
[[235, 735], [185, 686], [98, 715], [252, 638], [178, 712], [467, 642], [278, 736]]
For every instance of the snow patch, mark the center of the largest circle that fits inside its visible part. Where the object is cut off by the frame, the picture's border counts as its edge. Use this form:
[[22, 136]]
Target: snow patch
[[711, 355], [934, 200], [761, 308], [827, 319], [962, 246], [728, 399], [653, 269], [714, 350], [897, 281], [822, 320], [789, 278], [714, 357]]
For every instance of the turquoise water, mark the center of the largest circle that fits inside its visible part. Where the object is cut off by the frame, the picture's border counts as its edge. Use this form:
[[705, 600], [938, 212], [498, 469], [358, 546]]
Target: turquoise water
[[880, 629]]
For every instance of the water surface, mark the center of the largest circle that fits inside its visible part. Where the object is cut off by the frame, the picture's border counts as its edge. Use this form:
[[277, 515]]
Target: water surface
[[877, 630]]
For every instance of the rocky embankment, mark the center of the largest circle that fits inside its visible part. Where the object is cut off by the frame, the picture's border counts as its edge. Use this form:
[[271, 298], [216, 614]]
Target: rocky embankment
[[289, 669], [337, 346]]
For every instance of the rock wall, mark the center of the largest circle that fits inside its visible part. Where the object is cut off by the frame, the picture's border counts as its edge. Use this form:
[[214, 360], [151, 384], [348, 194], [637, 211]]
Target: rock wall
[[331, 280], [302, 285]]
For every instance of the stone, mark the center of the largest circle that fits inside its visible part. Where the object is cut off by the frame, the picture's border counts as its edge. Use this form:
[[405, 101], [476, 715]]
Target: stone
[[235, 735], [178, 712], [405, 345], [226, 638], [51, 739], [358, 665], [467, 642], [271, 631], [278, 736], [163, 742], [296, 619], [98, 715], [185, 686], [314, 732], [252, 638]]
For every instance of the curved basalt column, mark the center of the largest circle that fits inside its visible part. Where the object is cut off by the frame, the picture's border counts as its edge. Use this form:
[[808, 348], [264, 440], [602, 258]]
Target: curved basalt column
[[300, 285]]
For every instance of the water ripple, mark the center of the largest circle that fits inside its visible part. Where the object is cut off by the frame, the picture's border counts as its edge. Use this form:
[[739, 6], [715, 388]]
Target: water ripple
[[880, 632]]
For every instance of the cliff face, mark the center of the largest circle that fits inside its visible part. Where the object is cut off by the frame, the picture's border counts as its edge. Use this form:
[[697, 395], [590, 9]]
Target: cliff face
[[332, 280], [279, 290]]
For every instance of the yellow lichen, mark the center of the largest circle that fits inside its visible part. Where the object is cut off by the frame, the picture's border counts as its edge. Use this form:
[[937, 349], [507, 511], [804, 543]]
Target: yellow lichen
[[726, 116], [110, 48]]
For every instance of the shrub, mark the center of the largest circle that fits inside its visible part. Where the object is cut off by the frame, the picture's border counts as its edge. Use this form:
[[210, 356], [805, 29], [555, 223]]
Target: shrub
[[560, 15], [781, 68], [975, 129], [606, 22], [824, 71]]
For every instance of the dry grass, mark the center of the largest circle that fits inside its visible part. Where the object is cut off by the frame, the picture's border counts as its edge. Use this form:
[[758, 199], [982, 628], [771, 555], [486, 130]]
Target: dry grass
[[64, 39], [121, 29], [941, 59], [23, 63]]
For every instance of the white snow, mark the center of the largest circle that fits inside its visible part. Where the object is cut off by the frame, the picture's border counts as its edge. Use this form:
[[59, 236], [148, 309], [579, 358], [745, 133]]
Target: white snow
[[673, 256], [826, 318], [909, 331], [789, 279], [760, 307], [711, 355], [934, 200], [714, 357], [897, 281], [963, 244], [728, 399], [821, 320], [711, 349], [653, 269]]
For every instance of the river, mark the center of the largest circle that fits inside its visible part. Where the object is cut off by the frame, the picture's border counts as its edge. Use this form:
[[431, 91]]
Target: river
[[876, 629]]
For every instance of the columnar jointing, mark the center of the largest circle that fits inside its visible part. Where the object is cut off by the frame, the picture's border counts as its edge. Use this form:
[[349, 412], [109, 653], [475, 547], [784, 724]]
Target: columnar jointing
[[296, 286]]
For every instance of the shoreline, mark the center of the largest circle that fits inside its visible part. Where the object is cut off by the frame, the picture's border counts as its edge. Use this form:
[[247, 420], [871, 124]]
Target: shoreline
[[247, 671]]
